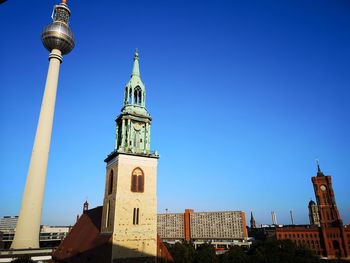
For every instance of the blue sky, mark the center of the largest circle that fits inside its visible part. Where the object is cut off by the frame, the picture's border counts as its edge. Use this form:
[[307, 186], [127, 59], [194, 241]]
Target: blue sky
[[244, 96]]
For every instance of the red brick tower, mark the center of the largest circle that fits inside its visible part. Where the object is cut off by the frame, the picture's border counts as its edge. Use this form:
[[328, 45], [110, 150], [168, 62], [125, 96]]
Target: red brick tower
[[335, 241]]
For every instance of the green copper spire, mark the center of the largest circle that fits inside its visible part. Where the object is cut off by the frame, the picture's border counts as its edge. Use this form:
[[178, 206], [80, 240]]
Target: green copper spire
[[133, 125], [135, 92], [136, 69]]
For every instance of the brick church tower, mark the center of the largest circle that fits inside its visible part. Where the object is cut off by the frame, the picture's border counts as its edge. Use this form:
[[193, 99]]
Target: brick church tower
[[335, 240]]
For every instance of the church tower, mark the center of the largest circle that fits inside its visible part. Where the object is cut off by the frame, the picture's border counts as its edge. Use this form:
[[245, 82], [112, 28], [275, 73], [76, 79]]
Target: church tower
[[130, 200], [252, 220]]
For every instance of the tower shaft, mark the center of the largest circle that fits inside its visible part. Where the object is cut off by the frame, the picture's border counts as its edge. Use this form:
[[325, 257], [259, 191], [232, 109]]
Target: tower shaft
[[28, 226]]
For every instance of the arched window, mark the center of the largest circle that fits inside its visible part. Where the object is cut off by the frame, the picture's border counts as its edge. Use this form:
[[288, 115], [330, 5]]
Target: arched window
[[137, 95], [130, 96], [137, 180], [126, 95], [110, 182]]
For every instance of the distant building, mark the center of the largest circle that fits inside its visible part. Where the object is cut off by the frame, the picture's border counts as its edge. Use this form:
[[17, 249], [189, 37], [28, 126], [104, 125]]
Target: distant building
[[1, 241], [274, 218], [252, 221], [7, 229], [262, 233], [171, 226], [50, 236], [326, 235], [222, 229], [8, 223], [313, 214]]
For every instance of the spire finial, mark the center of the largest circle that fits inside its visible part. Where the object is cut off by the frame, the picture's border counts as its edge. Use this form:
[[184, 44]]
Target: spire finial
[[318, 166], [319, 171], [136, 69], [64, 2]]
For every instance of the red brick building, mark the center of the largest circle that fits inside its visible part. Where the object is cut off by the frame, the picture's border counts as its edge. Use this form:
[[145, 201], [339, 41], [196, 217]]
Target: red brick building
[[331, 239]]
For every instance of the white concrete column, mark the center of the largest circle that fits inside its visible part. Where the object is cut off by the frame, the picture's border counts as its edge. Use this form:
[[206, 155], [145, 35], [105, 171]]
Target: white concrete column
[[28, 226]]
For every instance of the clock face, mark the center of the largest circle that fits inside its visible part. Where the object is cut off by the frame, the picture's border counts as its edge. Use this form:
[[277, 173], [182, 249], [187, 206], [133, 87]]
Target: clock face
[[323, 187], [137, 126]]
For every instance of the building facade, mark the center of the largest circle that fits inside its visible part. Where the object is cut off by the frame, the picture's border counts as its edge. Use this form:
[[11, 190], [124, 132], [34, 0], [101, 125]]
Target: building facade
[[8, 223], [331, 238], [220, 228], [50, 236]]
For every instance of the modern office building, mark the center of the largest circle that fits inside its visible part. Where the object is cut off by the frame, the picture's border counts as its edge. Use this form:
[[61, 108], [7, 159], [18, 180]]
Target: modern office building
[[222, 229], [8, 223], [171, 226], [50, 236]]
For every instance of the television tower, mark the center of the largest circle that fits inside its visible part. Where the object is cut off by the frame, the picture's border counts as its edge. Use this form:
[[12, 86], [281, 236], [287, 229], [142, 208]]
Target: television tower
[[58, 40], [274, 219]]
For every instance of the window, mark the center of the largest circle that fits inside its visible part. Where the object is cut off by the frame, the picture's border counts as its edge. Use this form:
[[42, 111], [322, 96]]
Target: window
[[108, 214], [137, 95], [110, 182], [135, 218], [137, 181], [336, 244], [130, 96]]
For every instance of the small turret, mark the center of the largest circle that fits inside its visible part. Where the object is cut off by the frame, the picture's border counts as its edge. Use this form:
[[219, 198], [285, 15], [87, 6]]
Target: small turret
[[86, 206]]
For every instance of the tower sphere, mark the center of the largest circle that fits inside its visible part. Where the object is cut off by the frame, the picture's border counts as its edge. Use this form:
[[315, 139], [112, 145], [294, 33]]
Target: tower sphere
[[58, 35]]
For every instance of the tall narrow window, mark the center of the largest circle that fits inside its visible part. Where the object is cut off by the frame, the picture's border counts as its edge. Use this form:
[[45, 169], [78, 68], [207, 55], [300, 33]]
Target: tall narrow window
[[130, 96], [137, 95], [140, 183], [135, 217], [126, 95], [134, 183], [137, 180], [107, 215], [110, 182]]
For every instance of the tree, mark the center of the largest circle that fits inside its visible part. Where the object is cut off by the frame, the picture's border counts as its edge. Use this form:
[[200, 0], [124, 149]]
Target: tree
[[182, 252], [280, 251], [235, 255], [206, 254]]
